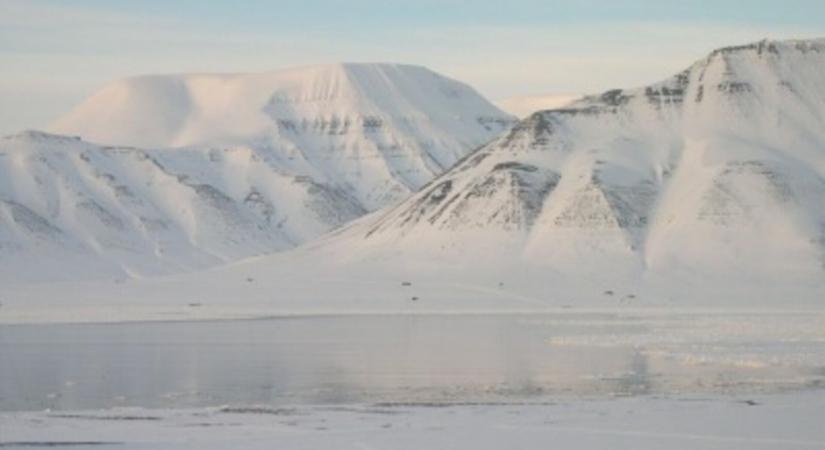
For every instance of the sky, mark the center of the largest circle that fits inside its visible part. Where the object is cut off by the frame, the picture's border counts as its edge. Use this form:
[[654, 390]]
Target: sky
[[54, 53]]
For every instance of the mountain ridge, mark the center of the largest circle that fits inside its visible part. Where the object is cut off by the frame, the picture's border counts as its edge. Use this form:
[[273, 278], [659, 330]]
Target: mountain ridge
[[305, 163], [686, 174], [264, 96]]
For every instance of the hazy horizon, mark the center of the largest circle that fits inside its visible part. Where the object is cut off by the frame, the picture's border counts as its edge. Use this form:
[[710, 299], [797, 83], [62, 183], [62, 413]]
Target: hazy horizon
[[57, 53]]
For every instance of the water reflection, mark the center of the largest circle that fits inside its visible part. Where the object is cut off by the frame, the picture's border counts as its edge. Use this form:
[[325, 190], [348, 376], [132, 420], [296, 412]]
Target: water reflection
[[354, 358], [637, 380]]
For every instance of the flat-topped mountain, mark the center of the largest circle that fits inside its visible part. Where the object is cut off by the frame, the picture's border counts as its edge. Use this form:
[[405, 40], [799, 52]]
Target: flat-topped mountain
[[181, 172]]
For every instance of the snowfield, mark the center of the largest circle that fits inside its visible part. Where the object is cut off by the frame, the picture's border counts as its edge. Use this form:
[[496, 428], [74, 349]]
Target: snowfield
[[787, 421]]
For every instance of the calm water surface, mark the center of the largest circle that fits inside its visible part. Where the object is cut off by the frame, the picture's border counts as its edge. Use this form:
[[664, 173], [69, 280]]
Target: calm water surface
[[340, 359]]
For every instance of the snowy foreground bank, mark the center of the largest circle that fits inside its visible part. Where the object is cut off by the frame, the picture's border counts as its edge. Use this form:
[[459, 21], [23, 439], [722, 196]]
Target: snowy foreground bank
[[780, 421]]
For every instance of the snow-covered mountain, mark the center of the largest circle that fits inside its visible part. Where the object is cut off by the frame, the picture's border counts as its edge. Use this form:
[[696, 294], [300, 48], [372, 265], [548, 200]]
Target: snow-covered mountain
[[718, 171], [335, 99], [380, 130], [704, 190], [193, 170]]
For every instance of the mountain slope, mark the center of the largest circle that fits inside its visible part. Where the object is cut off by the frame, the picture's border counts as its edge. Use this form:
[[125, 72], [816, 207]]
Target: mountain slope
[[265, 163], [384, 129], [702, 191], [126, 211], [718, 171]]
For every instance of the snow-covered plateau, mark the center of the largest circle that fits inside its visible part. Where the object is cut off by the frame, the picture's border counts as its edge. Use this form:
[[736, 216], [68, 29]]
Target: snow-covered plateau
[[181, 172]]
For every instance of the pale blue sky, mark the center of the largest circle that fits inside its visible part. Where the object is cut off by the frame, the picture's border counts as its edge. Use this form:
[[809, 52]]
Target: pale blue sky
[[53, 53]]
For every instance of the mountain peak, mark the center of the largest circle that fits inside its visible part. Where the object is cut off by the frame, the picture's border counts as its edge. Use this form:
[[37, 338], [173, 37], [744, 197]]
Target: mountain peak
[[689, 174], [228, 109], [354, 66], [733, 78], [201, 169], [773, 46]]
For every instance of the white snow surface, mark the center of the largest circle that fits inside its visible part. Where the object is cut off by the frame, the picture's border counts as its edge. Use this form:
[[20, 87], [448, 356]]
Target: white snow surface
[[690, 211], [703, 190], [233, 166], [706, 185], [338, 105], [784, 421]]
